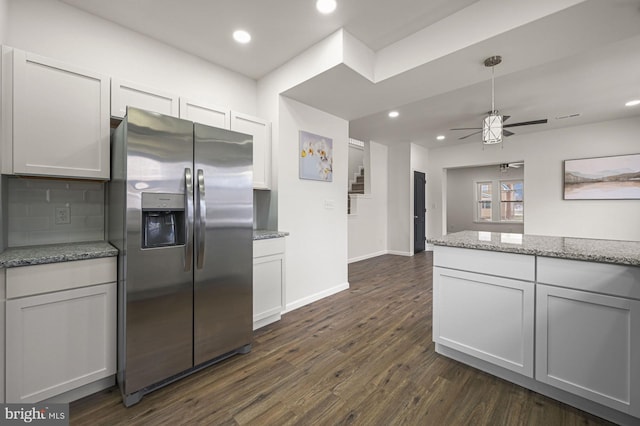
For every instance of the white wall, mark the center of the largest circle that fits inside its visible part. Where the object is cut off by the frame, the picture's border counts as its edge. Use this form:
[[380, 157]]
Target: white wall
[[400, 210], [543, 153], [54, 29], [314, 212], [461, 204], [4, 19], [368, 223], [316, 253]]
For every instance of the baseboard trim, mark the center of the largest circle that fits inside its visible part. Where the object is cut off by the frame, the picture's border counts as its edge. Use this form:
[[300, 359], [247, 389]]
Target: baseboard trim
[[315, 297], [400, 253], [367, 256]]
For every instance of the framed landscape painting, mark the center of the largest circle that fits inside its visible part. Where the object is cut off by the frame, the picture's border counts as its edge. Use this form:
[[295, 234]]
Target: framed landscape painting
[[603, 178]]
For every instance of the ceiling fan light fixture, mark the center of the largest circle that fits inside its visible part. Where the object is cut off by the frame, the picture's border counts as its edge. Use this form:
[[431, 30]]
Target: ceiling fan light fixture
[[492, 129]]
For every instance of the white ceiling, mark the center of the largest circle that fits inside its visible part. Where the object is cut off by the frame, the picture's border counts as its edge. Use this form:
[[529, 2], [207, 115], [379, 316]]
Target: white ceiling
[[584, 59]]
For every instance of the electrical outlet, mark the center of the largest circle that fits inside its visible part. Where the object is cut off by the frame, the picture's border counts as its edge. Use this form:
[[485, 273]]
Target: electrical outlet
[[62, 215]]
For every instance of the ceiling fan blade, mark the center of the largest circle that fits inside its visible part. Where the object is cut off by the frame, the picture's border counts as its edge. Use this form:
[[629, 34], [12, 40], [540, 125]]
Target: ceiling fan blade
[[505, 118], [507, 133], [526, 123], [467, 128], [474, 133]]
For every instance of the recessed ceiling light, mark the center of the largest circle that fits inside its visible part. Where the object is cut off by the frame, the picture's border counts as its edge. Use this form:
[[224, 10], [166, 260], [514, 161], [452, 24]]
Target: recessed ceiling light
[[241, 36], [394, 114], [633, 102], [326, 6], [440, 137]]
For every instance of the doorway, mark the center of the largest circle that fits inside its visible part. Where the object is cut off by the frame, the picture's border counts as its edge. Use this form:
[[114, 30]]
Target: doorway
[[419, 211]]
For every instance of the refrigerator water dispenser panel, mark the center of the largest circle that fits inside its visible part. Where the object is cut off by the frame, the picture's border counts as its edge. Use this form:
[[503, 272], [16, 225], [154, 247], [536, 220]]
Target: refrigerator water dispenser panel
[[162, 220]]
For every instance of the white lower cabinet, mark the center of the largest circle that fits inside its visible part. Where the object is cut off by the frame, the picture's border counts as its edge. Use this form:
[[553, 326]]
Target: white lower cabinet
[[587, 343], [59, 341], [488, 317], [268, 281]]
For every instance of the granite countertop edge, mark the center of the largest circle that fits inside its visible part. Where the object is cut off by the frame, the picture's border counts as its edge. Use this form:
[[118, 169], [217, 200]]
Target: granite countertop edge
[[261, 234], [55, 253], [593, 250], [68, 252]]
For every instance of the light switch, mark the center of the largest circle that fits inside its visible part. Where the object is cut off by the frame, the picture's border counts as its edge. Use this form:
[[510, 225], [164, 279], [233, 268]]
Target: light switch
[[329, 204]]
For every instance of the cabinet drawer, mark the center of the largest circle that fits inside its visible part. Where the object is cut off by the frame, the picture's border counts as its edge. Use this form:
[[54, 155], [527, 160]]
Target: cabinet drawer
[[615, 280], [268, 247], [510, 265], [30, 280]]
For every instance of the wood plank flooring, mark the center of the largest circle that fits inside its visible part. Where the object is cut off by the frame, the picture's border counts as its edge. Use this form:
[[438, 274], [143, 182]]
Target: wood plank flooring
[[361, 357]]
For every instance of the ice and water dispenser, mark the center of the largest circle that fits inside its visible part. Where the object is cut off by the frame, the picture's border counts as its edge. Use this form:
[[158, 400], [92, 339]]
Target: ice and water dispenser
[[162, 220]]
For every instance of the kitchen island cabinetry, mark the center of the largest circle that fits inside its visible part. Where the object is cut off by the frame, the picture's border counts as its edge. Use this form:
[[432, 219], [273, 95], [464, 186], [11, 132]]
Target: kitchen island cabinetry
[[268, 281], [261, 131], [588, 342], [587, 315], [60, 330], [55, 118], [487, 310]]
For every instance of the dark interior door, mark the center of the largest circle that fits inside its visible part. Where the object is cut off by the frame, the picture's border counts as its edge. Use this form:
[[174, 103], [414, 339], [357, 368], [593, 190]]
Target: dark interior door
[[419, 212]]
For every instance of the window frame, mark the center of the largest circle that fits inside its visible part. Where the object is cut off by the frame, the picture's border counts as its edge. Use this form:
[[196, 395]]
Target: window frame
[[478, 201], [502, 202], [496, 200]]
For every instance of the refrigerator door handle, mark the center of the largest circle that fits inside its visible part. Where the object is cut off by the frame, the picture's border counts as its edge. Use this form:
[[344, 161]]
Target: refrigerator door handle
[[201, 219], [188, 223]]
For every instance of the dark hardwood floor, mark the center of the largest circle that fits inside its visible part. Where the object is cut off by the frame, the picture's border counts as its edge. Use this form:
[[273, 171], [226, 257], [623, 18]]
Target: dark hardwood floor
[[363, 357]]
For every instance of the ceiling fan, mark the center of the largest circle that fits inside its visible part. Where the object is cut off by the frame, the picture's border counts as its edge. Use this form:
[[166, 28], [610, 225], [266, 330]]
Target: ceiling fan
[[493, 128], [504, 167]]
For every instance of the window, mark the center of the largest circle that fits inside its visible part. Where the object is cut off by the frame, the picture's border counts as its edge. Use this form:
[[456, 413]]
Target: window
[[511, 201], [483, 197]]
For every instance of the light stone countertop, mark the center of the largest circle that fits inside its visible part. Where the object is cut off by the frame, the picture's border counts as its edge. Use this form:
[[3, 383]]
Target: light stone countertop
[[53, 253], [594, 250]]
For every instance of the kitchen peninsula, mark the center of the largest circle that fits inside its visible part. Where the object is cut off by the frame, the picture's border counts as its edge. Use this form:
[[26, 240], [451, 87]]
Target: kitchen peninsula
[[557, 315]]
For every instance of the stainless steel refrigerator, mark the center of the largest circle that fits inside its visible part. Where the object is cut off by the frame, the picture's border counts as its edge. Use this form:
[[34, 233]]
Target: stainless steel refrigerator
[[181, 216]]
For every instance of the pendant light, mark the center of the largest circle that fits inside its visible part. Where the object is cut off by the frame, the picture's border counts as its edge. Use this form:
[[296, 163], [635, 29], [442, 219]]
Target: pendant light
[[492, 124]]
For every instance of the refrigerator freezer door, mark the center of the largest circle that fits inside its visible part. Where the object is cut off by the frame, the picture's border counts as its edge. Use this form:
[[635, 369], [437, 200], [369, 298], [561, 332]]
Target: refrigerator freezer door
[[158, 309], [223, 252]]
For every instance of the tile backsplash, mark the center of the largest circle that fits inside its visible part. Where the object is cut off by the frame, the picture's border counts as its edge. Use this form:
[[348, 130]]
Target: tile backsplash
[[49, 211]]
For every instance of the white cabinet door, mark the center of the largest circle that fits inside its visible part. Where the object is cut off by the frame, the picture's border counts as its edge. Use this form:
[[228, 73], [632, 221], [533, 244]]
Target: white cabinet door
[[127, 93], [268, 281], [588, 344], [203, 113], [488, 317], [261, 132], [55, 118], [56, 342]]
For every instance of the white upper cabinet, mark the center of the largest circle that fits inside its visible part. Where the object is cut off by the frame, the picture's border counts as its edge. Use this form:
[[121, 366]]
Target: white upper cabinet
[[127, 93], [211, 115], [55, 118], [261, 132]]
